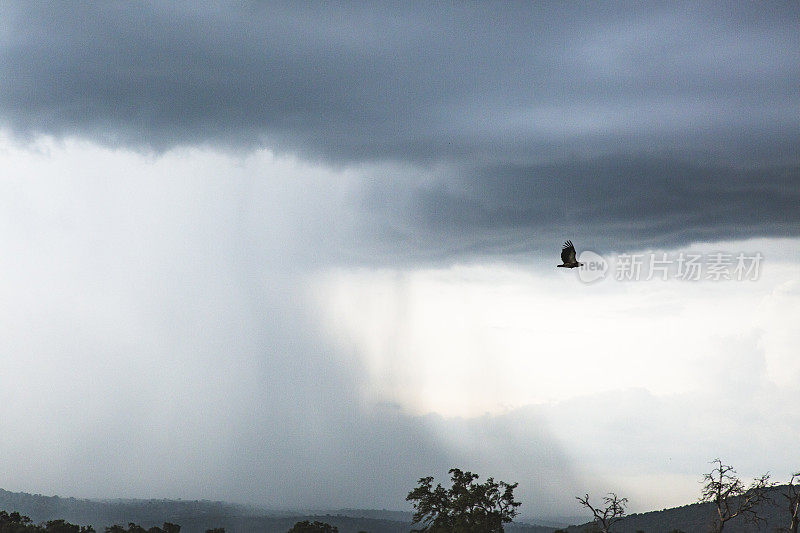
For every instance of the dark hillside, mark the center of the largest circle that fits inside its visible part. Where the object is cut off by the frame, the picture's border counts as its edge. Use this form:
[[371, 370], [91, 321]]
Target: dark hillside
[[697, 518]]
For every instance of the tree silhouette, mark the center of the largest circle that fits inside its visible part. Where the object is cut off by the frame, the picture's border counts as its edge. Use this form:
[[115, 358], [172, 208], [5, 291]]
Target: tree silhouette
[[17, 523], [61, 526], [612, 511], [313, 527], [729, 496], [793, 497], [136, 528], [467, 507]]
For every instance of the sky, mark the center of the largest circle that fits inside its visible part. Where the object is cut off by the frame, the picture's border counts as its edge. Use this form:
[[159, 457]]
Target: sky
[[300, 255]]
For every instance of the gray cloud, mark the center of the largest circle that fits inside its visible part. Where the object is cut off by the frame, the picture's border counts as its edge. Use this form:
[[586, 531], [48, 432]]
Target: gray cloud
[[371, 81], [614, 204], [519, 101]]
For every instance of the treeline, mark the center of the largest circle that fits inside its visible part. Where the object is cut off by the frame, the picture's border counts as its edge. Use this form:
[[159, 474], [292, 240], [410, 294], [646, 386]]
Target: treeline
[[202, 522], [15, 522]]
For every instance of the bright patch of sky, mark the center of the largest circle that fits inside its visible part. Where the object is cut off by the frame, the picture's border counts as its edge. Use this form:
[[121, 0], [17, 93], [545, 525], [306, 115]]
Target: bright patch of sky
[[465, 340]]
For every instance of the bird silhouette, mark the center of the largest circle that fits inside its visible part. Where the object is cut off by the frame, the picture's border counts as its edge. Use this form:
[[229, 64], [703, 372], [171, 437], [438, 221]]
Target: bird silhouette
[[568, 256]]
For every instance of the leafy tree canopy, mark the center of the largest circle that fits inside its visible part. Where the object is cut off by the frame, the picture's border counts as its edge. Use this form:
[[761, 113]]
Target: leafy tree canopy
[[135, 528], [466, 507], [313, 527], [17, 523]]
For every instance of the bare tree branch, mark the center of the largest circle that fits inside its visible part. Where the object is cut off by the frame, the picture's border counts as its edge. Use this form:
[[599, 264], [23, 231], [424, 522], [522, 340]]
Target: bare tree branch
[[605, 517], [730, 497], [793, 497]]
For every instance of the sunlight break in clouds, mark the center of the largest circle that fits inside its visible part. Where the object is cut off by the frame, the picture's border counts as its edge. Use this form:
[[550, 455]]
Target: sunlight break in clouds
[[466, 340]]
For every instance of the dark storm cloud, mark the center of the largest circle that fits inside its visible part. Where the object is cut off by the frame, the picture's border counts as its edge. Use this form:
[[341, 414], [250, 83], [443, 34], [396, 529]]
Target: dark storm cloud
[[518, 102], [614, 204]]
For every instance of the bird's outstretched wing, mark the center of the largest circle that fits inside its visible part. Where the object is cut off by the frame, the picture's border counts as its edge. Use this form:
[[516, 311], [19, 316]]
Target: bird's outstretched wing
[[568, 253]]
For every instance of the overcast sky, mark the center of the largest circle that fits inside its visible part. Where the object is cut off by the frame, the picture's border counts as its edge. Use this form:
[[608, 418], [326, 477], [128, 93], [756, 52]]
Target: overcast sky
[[300, 255]]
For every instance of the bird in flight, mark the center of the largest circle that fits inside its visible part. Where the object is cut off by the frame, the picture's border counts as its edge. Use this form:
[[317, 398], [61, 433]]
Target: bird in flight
[[568, 256]]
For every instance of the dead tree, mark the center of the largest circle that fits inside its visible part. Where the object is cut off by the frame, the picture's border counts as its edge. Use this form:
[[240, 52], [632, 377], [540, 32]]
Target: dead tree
[[730, 497], [793, 497], [612, 511]]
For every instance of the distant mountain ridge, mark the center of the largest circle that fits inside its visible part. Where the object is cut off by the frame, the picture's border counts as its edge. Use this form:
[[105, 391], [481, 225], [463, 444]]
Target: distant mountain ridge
[[196, 516], [120, 511]]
